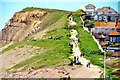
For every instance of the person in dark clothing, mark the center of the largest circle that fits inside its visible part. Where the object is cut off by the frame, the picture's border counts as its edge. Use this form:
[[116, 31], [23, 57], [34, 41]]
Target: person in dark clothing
[[74, 59], [83, 54], [88, 64], [78, 63], [71, 63], [77, 58]]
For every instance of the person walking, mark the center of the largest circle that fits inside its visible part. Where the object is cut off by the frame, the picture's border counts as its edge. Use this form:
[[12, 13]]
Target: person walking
[[83, 54], [77, 58], [88, 65], [74, 59]]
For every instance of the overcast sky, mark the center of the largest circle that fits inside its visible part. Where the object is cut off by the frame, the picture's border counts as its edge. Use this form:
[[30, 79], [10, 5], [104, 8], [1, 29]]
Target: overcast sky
[[7, 9]]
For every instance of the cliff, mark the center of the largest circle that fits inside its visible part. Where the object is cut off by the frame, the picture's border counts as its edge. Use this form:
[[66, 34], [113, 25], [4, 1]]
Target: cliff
[[22, 25]]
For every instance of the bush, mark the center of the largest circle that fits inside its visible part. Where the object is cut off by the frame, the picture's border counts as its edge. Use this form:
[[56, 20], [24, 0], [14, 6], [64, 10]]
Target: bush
[[79, 12], [89, 24]]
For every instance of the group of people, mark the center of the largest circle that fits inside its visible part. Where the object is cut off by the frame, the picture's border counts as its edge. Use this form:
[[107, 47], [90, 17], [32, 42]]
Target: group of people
[[75, 61]]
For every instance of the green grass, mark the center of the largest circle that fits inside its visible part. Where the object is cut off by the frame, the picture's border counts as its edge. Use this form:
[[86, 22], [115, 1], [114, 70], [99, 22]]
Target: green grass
[[27, 9], [53, 20], [12, 46], [108, 72], [56, 52]]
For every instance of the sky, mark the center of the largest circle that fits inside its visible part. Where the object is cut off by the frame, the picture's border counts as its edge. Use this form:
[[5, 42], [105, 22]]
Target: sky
[[7, 9]]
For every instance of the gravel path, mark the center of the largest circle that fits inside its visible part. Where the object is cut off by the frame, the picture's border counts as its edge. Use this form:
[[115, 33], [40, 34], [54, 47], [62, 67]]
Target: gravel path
[[93, 71]]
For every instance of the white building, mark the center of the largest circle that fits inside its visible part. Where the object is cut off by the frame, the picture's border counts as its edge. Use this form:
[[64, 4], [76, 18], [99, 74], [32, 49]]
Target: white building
[[89, 9], [105, 14]]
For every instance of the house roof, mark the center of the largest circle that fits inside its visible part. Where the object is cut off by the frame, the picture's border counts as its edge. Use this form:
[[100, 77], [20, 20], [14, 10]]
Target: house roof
[[103, 15], [90, 6], [106, 9], [104, 25], [109, 15], [115, 30]]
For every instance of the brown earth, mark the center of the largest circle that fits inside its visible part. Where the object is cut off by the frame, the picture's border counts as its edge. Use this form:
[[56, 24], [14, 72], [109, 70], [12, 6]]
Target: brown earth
[[22, 25]]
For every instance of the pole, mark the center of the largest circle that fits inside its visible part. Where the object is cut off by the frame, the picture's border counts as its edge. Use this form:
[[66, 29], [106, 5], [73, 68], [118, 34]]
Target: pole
[[104, 65]]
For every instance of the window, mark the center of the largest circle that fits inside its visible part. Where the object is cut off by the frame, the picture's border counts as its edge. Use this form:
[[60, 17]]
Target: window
[[109, 12], [100, 17], [118, 30], [112, 29], [89, 13], [106, 28], [99, 30], [96, 13], [111, 39]]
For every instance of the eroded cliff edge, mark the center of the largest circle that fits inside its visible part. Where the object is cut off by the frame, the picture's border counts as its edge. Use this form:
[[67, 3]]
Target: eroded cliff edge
[[22, 25]]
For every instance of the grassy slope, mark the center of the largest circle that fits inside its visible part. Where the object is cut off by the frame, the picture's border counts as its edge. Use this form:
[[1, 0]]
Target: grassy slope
[[56, 19], [35, 8], [57, 46], [56, 51]]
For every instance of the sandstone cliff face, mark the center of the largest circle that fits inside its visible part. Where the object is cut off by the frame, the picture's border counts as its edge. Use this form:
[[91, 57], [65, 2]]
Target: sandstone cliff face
[[22, 25]]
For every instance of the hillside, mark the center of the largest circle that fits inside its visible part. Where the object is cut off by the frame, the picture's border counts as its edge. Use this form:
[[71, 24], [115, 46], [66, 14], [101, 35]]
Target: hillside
[[27, 22], [26, 52], [40, 53]]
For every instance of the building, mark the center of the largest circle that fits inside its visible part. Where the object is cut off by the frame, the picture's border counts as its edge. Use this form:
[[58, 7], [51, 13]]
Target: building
[[101, 14], [103, 28], [115, 35], [105, 14], [89, 9]]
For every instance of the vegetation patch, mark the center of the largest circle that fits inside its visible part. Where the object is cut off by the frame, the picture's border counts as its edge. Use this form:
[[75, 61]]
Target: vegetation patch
[[56, 52], [27, 9]]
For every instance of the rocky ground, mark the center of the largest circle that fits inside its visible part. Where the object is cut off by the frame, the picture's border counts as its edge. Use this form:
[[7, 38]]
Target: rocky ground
[[14, 56], [56, 72]]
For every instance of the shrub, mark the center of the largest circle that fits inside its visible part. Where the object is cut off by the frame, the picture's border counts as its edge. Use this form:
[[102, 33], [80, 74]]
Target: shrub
[[79, 12], [89, 24]]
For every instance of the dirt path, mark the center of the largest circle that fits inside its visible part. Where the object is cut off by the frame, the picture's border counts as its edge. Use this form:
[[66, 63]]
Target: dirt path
[[93, 71]]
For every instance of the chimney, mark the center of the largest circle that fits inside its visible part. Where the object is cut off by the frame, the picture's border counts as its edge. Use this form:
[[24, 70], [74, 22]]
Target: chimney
[[116, 21]]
